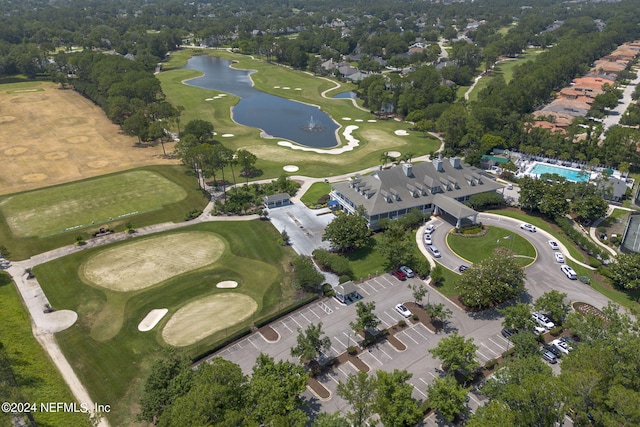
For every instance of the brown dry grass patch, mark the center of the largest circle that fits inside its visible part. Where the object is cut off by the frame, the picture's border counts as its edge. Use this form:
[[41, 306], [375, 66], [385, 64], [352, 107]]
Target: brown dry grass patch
[[55, 136], [206, 316], [144, 263]]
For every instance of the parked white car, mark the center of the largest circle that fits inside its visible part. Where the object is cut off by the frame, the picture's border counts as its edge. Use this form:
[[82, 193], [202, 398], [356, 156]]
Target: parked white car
[[559, 257], [569, 272], [561, 345], [400, 308], [427, 239], [542, 320]]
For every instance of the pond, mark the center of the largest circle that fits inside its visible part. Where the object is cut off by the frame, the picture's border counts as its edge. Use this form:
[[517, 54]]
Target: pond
[[345, 95], [278, 117]]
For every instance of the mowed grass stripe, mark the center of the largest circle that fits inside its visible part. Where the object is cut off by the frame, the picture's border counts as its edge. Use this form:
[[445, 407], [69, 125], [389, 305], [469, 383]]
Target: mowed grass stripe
[[144, 263], [56, 210]]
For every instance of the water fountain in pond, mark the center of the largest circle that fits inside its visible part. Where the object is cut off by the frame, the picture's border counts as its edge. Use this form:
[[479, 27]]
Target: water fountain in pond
[[312, 126]]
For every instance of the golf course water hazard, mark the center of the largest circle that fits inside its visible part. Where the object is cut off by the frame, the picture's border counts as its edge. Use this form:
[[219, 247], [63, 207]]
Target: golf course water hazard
[[276, 116]]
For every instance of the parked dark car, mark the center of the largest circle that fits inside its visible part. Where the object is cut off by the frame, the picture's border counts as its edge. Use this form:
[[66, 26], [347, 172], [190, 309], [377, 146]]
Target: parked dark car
[[552, 349], [506, 332]]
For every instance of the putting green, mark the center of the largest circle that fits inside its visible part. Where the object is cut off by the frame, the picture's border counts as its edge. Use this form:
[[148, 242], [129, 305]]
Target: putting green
[[95, 201], [205, 316], [143, 263]]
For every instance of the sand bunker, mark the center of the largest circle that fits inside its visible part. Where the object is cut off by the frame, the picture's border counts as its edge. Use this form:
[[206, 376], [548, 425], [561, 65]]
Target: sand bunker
[[208, 99], [151, 319], [143, 263], [286, 88], [359, 120], [206, 316], [227, 284], [227, 135], [401, 132], [346, 118], [276, 87], [394, 153], [290, 168], [298, 88], [372, 121], [351, 144]]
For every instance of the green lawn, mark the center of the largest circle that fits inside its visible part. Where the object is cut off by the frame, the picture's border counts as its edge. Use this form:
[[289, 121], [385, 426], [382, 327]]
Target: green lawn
[[37, 378], [317, 190], [40, 220], [42, 213], [504, 69], [114, 365], [366, 260], [375, 138], [475, 249]]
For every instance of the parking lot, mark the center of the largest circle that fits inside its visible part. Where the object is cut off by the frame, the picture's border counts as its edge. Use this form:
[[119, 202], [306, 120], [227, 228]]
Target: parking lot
[[386, 291]]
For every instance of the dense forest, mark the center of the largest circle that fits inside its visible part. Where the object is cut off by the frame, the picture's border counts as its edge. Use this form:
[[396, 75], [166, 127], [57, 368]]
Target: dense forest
[[37, 39]]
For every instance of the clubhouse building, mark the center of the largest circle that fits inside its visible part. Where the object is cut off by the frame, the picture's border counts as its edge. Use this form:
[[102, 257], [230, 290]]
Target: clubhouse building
[[439, 187]]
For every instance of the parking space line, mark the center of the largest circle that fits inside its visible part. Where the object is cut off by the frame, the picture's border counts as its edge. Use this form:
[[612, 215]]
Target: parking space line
[[335, 350], [364, 290], [386, 279], [305, 317], [499, 346], [504, 339], [285, 325], [314, 313], [414, 328], [379, 282], [488, 348], [392, 318], [341, 343], [370, 285], [433, 375], [249, 339], [385, 353], [295, 321], [343, 372], [385, 323], [409, 336], [370, 353], [483, 356], [419, 391], [425, 383]]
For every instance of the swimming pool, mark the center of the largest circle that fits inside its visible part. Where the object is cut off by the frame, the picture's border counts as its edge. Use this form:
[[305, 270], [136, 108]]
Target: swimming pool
[[575, 175]]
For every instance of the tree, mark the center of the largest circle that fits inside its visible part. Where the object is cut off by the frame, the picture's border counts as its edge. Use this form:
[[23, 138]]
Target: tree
[[493, 414], [552, 304], [590, 206], [311, 343], [448, 397], [438, 314], [347, 232], [274, 389], [201, 129], [216, 395], [392, 400], [457, 354], [329, 420], [396, 245], [491, 281], [625, 271], [418, 292], [247, 161], [307, 277], [137, 125], [531, 192], [525, 344], [518, 317], [170, 377], [365, 318], [358, 391]]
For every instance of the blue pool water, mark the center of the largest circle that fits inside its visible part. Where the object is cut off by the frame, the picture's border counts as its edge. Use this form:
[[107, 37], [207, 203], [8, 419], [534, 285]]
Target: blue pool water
[[574, 175]]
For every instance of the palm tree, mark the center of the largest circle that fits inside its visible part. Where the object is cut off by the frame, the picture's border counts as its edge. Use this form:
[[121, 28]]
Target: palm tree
[[384, 158]]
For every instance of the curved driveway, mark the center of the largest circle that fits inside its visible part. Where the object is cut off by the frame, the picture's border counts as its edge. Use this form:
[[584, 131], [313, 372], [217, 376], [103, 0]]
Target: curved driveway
[[541, 276]]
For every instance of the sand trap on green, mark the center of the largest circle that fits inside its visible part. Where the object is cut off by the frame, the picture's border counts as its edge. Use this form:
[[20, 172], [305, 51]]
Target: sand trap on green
[[206, 316], [143, 263], [93, 201]]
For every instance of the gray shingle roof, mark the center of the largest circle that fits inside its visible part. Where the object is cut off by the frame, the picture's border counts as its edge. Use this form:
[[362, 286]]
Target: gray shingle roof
[[389, 190]]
